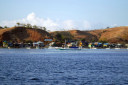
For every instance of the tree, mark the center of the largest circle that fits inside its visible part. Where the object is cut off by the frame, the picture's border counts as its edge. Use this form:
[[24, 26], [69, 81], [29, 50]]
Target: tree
[[1, 27], [18, 24], [24, 25], [35, 27], [44, 28], [5, 27], [59, 37], [104, 40], [28, 26], [107, 27]]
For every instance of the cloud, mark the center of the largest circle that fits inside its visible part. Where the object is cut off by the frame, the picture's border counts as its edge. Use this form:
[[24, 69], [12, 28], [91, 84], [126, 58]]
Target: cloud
[[69, 24], [53, 25], [86, 25], [31, 16]]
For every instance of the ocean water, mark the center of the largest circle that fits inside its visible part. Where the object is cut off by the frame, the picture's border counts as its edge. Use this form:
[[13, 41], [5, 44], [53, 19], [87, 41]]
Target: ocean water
[[63, 67]]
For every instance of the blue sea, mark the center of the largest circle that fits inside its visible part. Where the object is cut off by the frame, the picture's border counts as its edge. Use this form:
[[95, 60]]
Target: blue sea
[[63, 67]]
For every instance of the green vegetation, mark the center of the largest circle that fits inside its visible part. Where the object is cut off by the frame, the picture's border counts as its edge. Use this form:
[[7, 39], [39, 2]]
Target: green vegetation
[[18, 23], [1, 27], [5, 27], [103, 40], [62, 36], [30, 26]]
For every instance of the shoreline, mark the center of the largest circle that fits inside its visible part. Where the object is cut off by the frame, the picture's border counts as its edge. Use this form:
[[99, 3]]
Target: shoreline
[[58, 48]]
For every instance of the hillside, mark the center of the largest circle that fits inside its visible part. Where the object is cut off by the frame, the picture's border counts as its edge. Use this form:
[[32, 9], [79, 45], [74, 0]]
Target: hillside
[[115, 35], [21, 34], [111, 35]]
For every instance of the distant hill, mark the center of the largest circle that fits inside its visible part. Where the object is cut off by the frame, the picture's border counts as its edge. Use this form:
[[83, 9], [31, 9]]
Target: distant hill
[[20, 34], [111, 35]]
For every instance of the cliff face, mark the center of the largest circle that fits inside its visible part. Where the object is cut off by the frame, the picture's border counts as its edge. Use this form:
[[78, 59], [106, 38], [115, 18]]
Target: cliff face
[[111, 35], [23, 34]]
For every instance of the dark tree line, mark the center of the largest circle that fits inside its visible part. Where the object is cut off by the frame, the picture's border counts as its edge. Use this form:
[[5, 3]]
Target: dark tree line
[[30, 26], [3, 27], [26, 26]]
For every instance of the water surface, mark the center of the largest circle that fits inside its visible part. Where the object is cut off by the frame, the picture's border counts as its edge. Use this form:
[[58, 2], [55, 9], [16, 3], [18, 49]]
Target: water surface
[[63, 67]]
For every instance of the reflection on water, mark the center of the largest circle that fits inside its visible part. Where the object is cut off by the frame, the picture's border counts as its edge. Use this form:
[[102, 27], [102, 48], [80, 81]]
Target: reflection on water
[[63, 67]]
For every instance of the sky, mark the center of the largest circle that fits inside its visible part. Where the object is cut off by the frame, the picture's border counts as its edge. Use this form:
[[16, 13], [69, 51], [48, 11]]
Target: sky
[[65, 14]]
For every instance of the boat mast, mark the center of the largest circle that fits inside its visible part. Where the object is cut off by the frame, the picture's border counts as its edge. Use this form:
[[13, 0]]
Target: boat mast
[[65, 43]]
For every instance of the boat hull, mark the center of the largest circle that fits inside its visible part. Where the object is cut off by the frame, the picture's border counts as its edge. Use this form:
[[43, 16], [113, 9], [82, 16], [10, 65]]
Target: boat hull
[[69, 49]]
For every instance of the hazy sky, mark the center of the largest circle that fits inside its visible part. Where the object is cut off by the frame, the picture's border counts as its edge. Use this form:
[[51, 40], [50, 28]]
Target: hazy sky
[[65, 14]]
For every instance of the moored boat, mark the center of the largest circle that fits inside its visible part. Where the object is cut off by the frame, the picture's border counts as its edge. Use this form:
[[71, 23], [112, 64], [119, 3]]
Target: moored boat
[[69, 49]]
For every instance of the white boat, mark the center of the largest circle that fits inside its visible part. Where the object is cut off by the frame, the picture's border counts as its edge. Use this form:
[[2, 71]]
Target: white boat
[[28, 48], [37, 47], [69, 49], [93, 48], [65, 47], [107, 48], [117, 48]]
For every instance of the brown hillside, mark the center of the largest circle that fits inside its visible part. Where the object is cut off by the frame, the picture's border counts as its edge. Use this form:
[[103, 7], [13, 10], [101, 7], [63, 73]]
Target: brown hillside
[[23, 34], [115, 35], [111, 35]]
